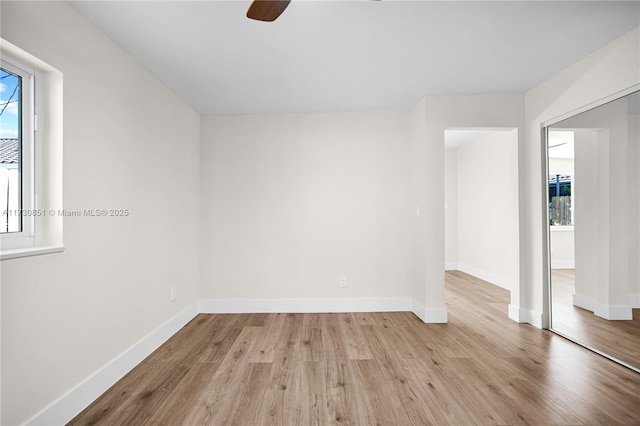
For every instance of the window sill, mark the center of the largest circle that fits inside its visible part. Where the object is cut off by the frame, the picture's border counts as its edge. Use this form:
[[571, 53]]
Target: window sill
[[32, 251]]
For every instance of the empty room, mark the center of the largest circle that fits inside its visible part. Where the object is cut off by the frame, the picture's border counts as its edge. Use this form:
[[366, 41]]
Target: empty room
[[319, 212]]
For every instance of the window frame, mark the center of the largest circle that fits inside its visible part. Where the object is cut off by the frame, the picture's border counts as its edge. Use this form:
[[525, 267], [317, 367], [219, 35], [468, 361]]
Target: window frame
[[27, 236], [46, 158]]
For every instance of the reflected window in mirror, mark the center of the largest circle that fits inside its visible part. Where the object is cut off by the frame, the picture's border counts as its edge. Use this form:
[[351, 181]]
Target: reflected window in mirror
[[560, 196], [561, 178]]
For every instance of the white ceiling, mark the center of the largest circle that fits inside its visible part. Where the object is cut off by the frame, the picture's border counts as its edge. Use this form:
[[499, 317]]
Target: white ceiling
[[355, 55]]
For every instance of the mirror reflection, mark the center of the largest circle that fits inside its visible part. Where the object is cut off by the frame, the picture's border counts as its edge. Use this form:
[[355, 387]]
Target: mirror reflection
[[594, 228]]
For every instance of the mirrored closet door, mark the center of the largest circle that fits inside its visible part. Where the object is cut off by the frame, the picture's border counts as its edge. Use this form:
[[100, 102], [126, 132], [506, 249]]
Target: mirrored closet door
[[593, 162]]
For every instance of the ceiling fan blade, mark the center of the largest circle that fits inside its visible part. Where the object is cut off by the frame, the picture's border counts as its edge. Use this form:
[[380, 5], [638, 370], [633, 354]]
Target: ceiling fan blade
[[267, 10]]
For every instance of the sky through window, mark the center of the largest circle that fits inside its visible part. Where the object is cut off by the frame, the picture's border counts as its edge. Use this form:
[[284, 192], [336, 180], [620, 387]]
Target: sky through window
[[9, 105]]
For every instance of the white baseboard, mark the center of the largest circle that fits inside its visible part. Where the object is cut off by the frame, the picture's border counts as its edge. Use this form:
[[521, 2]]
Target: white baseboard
[[563, 264], [245, 306], [514, 313], [436, 316], [429, 315], [451, 266], [610, 312], [614, 312], [486, 276], [634, 301], [77, 399], [528, 316], [585, 302]]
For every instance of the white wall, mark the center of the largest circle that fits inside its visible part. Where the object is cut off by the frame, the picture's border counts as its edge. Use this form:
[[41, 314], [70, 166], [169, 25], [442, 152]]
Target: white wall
[[418, 176], [588, 246], [604, 218], [562, 245], [634, 208], [488, 208], [294, 201], [609, 70], [128, 143], [560, 166], [451, 209]]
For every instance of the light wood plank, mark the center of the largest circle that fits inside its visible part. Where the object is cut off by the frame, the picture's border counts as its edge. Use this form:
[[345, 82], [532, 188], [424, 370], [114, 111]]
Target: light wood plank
[[372, 368]]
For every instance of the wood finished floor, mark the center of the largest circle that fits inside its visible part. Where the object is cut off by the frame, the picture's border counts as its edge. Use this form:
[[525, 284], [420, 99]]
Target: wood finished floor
[[372, 368], [620, 339]]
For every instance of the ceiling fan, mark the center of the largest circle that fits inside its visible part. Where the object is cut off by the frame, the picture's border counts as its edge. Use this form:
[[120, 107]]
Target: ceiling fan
[[267, 10]]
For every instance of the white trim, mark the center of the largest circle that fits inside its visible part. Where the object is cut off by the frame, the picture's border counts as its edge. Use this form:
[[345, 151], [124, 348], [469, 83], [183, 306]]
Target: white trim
[[634, 301], [419, 310], [30, 251], [592, 105], [563, 264], [245, 306], [514, 312], [486, 276], [435, 316], [399, 304], [585, 302], [614, 312], [451, 266], [429, 315], [77, 399], [561, 228], [528, 316], [609, 312]]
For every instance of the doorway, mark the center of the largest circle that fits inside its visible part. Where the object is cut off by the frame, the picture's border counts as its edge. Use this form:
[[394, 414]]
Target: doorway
[[481, 204]]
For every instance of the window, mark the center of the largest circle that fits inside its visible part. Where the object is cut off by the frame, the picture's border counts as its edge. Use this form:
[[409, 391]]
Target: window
[[30, 154], [16, 154], [561, 182], [560, 200]]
